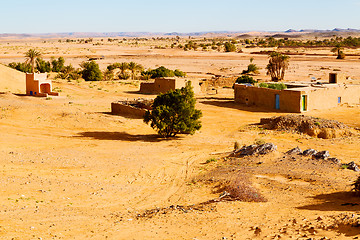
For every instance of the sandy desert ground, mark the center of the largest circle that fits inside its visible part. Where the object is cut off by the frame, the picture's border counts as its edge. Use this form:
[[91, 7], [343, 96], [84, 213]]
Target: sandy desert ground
[[71, 170]]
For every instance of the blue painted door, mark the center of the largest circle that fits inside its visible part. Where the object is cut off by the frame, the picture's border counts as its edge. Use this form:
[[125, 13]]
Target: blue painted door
[[277, 101]]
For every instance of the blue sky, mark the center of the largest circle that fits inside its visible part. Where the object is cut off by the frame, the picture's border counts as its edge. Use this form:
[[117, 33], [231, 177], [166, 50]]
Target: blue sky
[[40, 16]]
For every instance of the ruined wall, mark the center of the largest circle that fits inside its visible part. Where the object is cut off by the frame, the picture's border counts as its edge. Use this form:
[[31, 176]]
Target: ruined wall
[[324, 98], [290, 101], [158, 86], [120, 108]]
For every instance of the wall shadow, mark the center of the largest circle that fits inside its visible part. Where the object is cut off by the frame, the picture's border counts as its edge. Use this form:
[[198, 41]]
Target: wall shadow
[[122, 115], [231, 104], [123, 136], [339, 201]]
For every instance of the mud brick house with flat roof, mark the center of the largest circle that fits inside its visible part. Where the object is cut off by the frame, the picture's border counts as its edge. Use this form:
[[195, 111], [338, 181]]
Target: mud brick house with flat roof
[[299, 98], [38, 85]]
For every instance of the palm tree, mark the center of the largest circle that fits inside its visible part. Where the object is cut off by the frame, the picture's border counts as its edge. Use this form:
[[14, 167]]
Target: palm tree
[[123, 67], [31, 56], [278, 63], [338, 49], [134, 68]]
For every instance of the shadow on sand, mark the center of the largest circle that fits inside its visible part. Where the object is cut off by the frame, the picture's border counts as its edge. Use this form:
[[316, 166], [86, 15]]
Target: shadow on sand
[[123, 136], [339, 201], [131, 116]]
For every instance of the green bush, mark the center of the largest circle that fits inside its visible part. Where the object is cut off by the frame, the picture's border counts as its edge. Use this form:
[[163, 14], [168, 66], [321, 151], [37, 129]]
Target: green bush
[[163, 72], [43, 66], [276, 86], [179, 73], [57, 65], [245, 79], [229, 47], [174, 113], [22, 67], [91, 71]]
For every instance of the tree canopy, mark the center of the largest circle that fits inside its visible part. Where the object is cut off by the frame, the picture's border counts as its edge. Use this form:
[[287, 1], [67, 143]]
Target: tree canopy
[[278, 63], [91, 71], [174, 113]]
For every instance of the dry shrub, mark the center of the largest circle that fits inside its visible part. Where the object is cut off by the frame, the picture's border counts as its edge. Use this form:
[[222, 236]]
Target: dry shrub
[[241, 189]]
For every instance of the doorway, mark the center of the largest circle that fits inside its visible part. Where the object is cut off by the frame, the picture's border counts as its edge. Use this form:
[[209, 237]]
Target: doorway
[[277, 101]]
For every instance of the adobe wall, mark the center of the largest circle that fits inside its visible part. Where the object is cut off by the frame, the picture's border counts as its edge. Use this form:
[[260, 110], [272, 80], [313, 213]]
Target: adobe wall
[[324, 98], [120, 108], [290, 101], [158, 86], [31, 84]]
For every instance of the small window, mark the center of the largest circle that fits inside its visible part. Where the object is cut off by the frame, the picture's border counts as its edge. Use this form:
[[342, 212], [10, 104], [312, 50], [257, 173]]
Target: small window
[[339, 99]]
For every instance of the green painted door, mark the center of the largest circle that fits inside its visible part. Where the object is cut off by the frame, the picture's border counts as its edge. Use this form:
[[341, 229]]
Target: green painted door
[[304, 102]]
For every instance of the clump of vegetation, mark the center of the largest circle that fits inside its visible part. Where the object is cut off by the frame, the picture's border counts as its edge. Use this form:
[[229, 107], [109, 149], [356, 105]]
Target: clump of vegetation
[[22, 67], [57, 64], [91, 71], [69, 73], [245, 79], [356, 186], [240, 189], [229, 47], [174, 113], [126, 70], [42, 65], [252, 68], [338, 49], [211, 160], [163, 72], [276, 86], [278, 63]]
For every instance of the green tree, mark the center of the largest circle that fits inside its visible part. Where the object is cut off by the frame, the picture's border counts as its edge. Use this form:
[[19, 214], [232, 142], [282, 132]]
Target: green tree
[[124, 66], [91, 71], [31, 55], [134, 68], [229, 47], [42, 65], [338, 50], [278, 63], [57, 65], [23, 67], [108, 75], [68, 73], [174, 113]]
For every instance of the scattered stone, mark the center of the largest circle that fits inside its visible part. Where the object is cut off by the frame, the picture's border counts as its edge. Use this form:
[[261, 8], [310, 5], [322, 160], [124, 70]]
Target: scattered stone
[[309, 152], [256, 149], [352, 166], [257, 231], [322, 155], [334, 160], [296, 150]]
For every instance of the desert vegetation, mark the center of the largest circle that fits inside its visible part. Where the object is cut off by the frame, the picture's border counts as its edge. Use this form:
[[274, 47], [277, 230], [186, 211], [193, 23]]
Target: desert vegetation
[[278, 63], [174, 113]]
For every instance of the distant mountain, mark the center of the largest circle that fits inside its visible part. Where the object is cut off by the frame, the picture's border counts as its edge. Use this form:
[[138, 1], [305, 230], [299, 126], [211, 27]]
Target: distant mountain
[[291, 33]]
